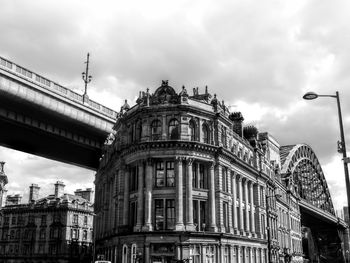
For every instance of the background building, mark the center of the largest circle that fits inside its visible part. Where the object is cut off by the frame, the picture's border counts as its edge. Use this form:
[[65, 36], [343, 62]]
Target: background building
[[181, 178], [56, 228]]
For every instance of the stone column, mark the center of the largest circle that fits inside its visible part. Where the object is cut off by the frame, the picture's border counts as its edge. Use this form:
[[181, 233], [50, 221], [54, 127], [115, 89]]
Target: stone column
[[241, 222], [246, 206], [189, 206], [234, 200], [258, 212], [148, 197], [252, 214], [212, 216], [126, 196], [239, 253], [179, 195], [140, 197]]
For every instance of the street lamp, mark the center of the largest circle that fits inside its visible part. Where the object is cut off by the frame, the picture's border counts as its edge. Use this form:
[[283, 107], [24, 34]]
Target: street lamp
[[341, 144]]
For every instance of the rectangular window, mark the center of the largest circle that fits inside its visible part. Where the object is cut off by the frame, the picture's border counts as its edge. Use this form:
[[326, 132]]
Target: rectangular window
[[159, 214], [194, 176], [75, 234], [224, 179], [225, 215], [164, 214], [202, 177], [160, 174], [195, 214], [75, 219], [85, 220], [84, 235], [133, 213], [262, 197], [195, 254], [199, 214], [170, 214], [226, 255], [263, 224], [14, 220], [7, 220], [133, 178], [170, 174], [203, 215]]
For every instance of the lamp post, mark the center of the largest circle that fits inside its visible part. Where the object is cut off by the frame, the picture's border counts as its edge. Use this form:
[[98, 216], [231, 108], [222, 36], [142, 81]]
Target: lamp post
[[341, 144]]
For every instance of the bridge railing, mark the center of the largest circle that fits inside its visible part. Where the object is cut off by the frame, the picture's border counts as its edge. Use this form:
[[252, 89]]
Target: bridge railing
[[53, 86]]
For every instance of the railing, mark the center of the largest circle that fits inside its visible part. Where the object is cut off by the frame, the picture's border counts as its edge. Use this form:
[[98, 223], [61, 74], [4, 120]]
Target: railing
[[53, 86]]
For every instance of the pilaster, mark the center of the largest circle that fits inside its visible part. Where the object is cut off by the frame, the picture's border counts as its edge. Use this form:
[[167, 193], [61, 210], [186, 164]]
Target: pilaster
[[179, 195]]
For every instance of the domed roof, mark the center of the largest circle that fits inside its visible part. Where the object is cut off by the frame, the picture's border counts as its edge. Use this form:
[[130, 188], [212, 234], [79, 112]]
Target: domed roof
[[165, 89]]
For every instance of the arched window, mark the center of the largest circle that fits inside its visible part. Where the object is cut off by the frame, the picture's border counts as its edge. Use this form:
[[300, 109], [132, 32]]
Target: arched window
[[192, 127], [133, 253], [156, 129], [125, 254], [173, 129], [205, 132]]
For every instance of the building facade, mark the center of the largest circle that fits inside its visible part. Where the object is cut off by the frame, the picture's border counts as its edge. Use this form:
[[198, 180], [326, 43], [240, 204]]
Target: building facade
[[56, 228], [3, 182], [181, 178]]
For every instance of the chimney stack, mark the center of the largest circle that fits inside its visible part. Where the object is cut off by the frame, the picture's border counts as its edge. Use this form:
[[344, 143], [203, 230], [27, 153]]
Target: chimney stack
[[33, 192], [86, 194], [59, 188]]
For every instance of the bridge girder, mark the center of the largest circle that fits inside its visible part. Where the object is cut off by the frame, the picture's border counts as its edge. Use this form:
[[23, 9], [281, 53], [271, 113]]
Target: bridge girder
[[308, 178]]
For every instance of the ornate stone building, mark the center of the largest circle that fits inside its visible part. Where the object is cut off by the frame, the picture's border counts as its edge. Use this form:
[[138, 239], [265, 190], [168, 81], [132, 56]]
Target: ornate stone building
[[56, 228], [181, 178], [3, 182]]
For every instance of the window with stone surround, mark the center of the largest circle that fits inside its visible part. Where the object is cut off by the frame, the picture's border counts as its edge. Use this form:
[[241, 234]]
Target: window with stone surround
[[195, 254], [165, 174], [225, 215], [200, 215], [164, 214], [192, 128], [133, 213], [156, 130], [224, 179], [205, 133], [133, 178], [173, 129]]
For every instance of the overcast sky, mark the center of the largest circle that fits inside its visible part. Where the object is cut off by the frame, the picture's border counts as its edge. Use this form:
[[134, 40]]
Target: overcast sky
[[260, 56]]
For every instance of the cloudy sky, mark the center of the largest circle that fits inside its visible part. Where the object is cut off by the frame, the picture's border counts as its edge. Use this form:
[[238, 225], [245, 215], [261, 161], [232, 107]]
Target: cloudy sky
[[260, 56]]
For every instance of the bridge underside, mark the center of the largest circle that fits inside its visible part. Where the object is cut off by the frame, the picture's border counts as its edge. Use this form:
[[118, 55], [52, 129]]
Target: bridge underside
[[33, 129], [322, 240]]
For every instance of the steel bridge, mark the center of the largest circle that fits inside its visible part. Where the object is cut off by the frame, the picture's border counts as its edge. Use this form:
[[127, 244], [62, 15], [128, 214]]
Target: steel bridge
[[323, 231], [41, 117]]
